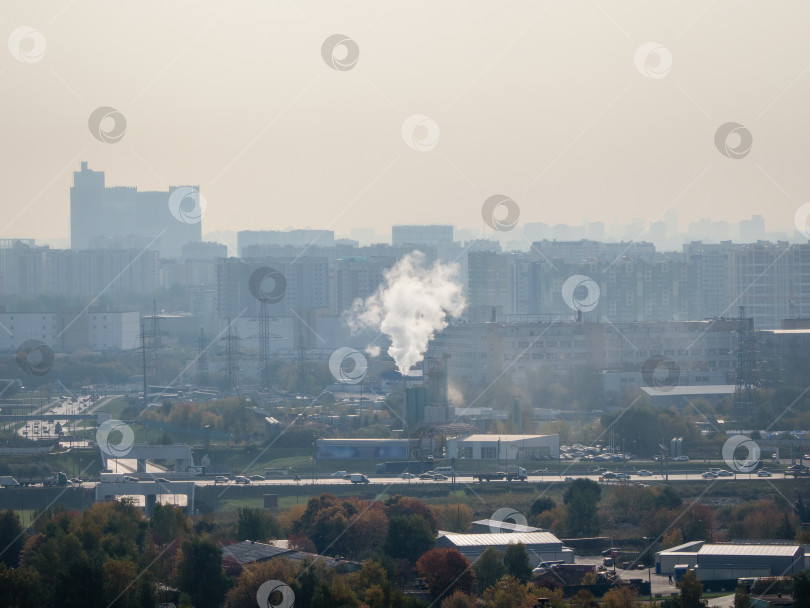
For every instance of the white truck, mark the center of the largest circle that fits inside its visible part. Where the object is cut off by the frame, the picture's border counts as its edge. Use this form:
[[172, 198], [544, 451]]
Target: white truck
[[358, 478], [7, 481]]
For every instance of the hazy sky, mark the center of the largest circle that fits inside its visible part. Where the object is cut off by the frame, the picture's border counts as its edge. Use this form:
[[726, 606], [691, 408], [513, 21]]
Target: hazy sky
[[539, 101]]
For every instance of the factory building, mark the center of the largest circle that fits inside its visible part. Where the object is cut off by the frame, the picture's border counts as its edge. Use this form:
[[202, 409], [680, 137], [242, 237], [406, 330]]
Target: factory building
[[730, 561], [504, 447], [541, 546], [368, 449]]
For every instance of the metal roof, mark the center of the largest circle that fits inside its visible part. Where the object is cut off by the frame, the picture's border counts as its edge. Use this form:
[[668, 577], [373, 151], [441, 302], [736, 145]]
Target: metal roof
[[771, 550], [489, 540], [707, 389], [509, 526], [505, 438]]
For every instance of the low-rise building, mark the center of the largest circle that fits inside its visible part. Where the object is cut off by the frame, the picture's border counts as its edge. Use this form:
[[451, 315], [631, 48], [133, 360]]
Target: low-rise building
[[541, 546], [504, 447]]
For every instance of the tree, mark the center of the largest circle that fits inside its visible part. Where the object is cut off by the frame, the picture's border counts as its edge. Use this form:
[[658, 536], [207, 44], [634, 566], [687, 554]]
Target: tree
[[488, 568], [199, 573], [444, 571], [543, 503], [509, 592], [801, 590], [167, 524], [581, 498], [691, 591], [256, 524], [408, 537], [402, 505], [583, 598], [11, 538], [516, 560], [741, 599], [619, 597], [459, 599]]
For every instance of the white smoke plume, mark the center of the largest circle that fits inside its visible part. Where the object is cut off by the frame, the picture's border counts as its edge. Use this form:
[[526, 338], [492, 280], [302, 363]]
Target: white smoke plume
[[410, 307]]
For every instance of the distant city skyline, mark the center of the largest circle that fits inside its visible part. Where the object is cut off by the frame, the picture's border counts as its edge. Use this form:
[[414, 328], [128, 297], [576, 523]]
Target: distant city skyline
[[244, 100]]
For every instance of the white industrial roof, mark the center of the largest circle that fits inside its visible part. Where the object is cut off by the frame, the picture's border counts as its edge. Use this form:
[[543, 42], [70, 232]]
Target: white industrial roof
[[503, 438], [771, 550], [708, 389], [506, 525], [488, 540], [690, 547]]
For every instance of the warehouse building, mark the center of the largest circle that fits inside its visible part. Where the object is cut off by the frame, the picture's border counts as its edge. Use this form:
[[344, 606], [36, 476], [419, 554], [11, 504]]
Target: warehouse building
[[504, 447], [367, 449], [732, 560], [541, 546]]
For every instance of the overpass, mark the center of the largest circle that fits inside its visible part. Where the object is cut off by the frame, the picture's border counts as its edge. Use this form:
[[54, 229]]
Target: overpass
[[181, 454], [150, 490]]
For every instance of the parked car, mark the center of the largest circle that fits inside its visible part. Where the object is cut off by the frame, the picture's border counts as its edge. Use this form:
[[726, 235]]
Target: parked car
[[613, 551]]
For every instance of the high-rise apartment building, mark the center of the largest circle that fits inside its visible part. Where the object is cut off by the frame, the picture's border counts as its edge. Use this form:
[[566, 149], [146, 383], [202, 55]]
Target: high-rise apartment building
[[120, 217]]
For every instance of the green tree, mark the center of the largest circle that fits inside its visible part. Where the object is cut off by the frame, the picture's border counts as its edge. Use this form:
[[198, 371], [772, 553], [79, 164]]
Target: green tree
[[741, 599], [543, 503], [408, 537], [801, 590], [256, 524], [516, 561], [488, 569], [581, 498], [11, 538], [691, 591], [199, 573]]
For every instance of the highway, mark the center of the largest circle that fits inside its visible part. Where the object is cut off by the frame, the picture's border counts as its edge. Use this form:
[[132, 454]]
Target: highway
[[467, 480]]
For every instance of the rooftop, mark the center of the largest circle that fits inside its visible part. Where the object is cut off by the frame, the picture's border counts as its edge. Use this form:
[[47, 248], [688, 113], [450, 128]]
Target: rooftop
[[504, 438], [754, 549], [708, 389], [488, 540]]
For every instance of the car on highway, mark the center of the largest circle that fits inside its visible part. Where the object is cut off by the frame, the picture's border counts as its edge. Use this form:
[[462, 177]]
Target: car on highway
[[609, 475], [241, 479], [426, 476], [131, 479], [681, 459], [221, 479], [256, 478], [440, 477], [724, 473], [75, 480], [764, 473], [709, 475], [644, 473], [624, 476], [407, 476], [162, 480], [341, 474]]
